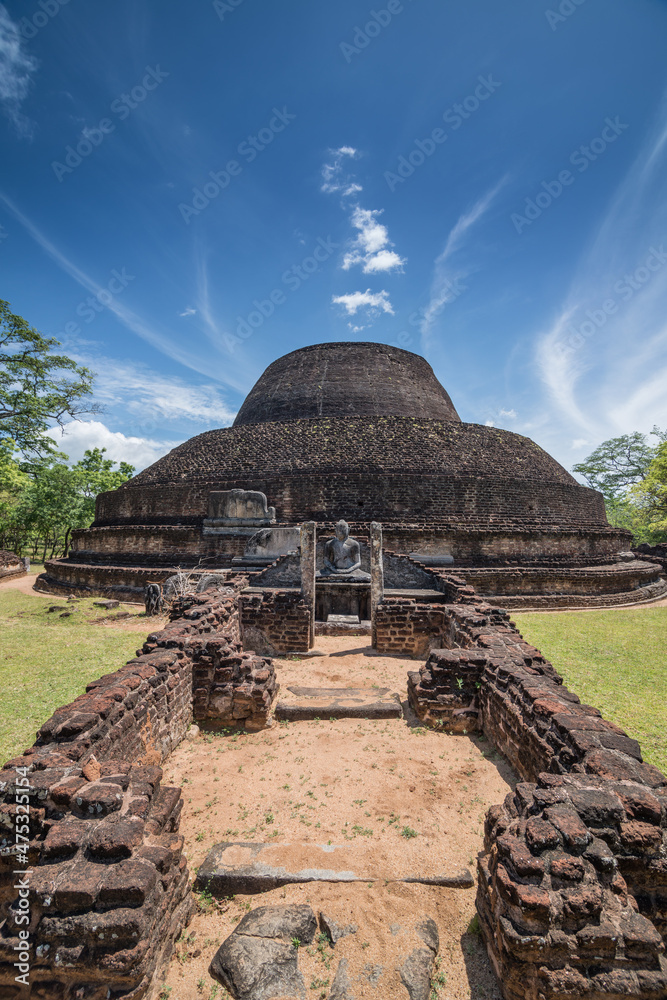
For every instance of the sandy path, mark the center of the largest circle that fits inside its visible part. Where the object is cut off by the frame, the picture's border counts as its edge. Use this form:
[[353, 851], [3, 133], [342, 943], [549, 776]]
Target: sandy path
[[25, 585]]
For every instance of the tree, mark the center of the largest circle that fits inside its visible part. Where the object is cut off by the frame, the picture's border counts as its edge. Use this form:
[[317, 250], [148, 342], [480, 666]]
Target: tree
[[619, 463], [37, 386], [617, 468], [12, 483], [96, 474], [39, 511], [651, 495]]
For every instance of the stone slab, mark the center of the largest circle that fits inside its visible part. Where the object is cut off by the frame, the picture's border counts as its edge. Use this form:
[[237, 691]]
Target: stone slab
[[308, 703], [241, 867]]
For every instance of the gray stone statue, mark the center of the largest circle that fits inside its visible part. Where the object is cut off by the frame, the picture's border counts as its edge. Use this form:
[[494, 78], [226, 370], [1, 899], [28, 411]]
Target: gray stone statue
[[342, 557], [153, 598]]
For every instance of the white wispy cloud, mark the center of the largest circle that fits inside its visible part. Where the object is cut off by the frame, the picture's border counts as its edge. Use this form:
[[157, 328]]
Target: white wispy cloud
[[151, 400], [370, 249], [372, 303], [188, 311], [185, 355], [334, 178], [605, 369], [80, 435], [449, 270], [16, 73]]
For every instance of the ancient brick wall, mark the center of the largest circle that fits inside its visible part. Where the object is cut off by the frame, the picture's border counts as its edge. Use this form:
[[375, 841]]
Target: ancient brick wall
[[108, 888], [552, 602], [125, 583], [274, 621], [154, 545], [405, 628], [572, 887], [558, 916], [355, 378], [393, 468], [623, 576], [420, 498], [10, 565]]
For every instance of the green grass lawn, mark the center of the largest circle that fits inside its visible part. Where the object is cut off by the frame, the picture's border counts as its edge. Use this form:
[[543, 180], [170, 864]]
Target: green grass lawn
[[46, 661], [614, 660]]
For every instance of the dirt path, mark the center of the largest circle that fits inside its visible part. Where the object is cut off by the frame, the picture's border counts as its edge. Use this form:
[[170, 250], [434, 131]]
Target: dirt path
[[398, 800], [25, 585]]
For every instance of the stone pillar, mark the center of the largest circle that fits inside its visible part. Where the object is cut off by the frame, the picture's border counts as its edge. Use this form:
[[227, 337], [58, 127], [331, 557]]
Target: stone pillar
[[308, 559], [377, 573]]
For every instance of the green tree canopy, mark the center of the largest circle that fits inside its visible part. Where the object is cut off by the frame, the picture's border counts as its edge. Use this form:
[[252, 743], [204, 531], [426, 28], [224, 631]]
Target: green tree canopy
[[40, 509], [651, 494], [627, 471], [96, 474], [37, 386], [619, 463]]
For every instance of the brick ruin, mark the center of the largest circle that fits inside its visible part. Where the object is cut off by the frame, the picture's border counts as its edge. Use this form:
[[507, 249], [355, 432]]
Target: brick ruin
[[572, 882], [355, 431], [11, 565], [109, 888]]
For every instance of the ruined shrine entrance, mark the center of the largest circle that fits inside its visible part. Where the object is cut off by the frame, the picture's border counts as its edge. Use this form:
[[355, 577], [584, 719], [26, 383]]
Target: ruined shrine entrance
[[373, 822], [342, 599]]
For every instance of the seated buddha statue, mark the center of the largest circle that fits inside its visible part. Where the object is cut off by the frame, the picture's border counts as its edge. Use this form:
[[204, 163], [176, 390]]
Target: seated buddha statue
[[342, 557]]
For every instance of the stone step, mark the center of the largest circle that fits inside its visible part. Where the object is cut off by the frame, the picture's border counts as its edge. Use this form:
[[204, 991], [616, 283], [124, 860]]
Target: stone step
[[343, 625], [306, 703], [240, 867]]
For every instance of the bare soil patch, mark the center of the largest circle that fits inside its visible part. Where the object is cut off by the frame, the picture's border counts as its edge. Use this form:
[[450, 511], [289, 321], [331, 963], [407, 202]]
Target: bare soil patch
[[404, 800]]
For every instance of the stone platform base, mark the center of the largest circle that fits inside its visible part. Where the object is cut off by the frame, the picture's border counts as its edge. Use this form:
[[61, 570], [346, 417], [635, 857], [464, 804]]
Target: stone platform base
[[242, 867], [302, 704], [574, 602], [122, 583], [547, 581], [516, 588]]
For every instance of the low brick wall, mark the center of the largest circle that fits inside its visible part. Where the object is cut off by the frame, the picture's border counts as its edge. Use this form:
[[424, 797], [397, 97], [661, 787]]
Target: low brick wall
[[572, 887], [590, 581], [406, 628], [123, 583], [108, 884], [274, 621]]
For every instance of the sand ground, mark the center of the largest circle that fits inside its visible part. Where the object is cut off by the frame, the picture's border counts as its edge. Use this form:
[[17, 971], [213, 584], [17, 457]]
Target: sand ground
[[397, 799]]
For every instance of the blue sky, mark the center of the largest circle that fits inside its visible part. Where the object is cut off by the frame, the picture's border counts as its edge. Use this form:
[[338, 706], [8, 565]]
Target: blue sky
[[190, 190]]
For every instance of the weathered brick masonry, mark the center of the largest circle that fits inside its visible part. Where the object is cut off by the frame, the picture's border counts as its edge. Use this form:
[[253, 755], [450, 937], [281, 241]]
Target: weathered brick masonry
[[109, 885], [572, 887], [361, 432], [275, 621]]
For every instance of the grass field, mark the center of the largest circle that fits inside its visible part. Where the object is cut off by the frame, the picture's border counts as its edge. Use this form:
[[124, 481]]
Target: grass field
[[615, 660], [46, 661]]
